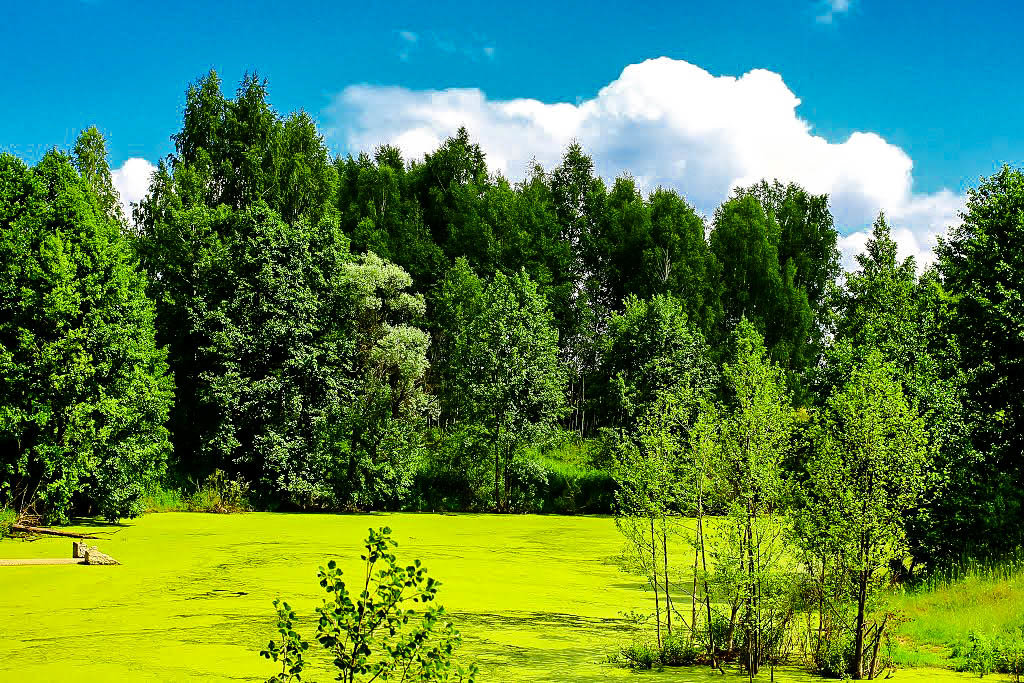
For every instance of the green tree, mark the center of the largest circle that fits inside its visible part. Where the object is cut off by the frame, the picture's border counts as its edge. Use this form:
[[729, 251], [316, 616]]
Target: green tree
[[84, 388], [807, 237], [90, 158], [980, 263], [758, 286], [514, 375], [650, 348], [866, 474], [884, 307], [754, 438], [456, 304]]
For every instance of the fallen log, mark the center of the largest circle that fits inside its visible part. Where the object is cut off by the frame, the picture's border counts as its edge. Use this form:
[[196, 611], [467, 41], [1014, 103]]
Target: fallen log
[[48, 532]]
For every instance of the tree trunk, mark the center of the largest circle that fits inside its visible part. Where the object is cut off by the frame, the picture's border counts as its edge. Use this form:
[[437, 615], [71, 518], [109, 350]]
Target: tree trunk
[[858, 646], [654, 575], [707, 593], [664, 552]]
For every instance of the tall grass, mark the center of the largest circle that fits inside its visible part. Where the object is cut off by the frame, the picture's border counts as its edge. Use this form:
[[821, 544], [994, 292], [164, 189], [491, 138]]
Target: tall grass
[[981, 598], [7, 519]]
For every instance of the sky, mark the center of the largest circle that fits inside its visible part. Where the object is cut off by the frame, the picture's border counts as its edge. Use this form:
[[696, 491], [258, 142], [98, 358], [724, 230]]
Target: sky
[[894, 106]]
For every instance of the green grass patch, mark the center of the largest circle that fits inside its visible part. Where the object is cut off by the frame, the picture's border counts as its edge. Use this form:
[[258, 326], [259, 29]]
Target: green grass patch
[[942, 616]]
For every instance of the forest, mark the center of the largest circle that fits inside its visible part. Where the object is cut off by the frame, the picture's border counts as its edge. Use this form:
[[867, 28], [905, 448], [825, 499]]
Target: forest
[[285, 329]]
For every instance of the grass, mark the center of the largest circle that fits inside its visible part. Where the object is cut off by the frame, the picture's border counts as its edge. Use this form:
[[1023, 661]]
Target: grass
[[988, 602], [538, 598]]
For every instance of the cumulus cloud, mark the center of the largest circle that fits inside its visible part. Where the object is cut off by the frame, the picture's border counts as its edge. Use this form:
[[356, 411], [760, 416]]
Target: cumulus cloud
[[669, 123], [131, 181]]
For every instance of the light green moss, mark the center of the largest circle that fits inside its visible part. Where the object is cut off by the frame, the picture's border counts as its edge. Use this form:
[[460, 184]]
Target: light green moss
[[536, 597]]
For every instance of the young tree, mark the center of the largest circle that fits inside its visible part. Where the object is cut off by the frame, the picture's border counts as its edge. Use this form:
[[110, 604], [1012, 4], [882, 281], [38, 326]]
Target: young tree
[[377, 633], [884, 307], [866, 473], [84, 387], [754, 437]]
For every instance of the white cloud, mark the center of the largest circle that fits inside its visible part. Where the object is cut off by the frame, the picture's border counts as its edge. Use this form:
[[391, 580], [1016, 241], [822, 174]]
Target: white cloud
[[831, 8], [669, 123], [131, 181]]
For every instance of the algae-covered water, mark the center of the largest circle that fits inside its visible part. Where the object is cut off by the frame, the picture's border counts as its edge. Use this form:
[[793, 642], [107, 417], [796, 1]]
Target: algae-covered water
[[537, 598]]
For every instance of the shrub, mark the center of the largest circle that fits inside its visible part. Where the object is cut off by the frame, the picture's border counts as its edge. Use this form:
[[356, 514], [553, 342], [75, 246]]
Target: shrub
[[640, 655], [679, 651], [833, 657], [1010, 654], [376, 633], [982, 655], [977, 655]]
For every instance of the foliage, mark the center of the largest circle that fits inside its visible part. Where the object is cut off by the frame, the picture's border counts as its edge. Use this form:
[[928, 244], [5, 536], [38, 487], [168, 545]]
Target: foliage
[[377, 633], [757, 286], [84, 387], [752, 442], [980, 265], [300, 366], [513, 375], [866, 472]]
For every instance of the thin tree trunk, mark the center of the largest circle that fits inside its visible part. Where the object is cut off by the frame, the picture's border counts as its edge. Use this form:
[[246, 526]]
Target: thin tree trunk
[[664, 552], [654, 574], [707, 593]]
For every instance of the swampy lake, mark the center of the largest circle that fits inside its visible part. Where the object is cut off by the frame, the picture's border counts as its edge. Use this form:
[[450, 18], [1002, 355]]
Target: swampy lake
[[537, 598]]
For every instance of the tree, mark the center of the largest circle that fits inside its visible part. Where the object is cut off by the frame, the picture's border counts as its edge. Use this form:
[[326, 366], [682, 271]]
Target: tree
[[758, 286], [377, 633], [981, 267], [866, 474], [650, 349], [456, 304], [301, 366], [514, 376], [807, 237], [84, 387], [754, 438], [885, 307], [90, 158]]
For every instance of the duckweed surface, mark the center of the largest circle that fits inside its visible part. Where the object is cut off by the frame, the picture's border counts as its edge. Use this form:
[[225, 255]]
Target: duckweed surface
[[538, 598]]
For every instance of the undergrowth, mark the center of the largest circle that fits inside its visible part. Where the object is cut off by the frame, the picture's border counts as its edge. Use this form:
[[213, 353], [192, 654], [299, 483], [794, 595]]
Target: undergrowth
[[7, 519], [216, 494]]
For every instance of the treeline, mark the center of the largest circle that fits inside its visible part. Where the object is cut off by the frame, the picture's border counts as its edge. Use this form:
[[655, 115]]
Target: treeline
[[373, 332]]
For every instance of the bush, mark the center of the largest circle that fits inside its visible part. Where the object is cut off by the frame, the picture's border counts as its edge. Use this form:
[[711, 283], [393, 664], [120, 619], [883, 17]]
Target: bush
[[7, 519], [216, 494], [640, 655], [679, 651], [833, 657], [982, 655], [376, 633]]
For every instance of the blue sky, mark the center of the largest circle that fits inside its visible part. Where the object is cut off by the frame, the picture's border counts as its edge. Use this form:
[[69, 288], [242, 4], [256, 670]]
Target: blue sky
[[938, 80]]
